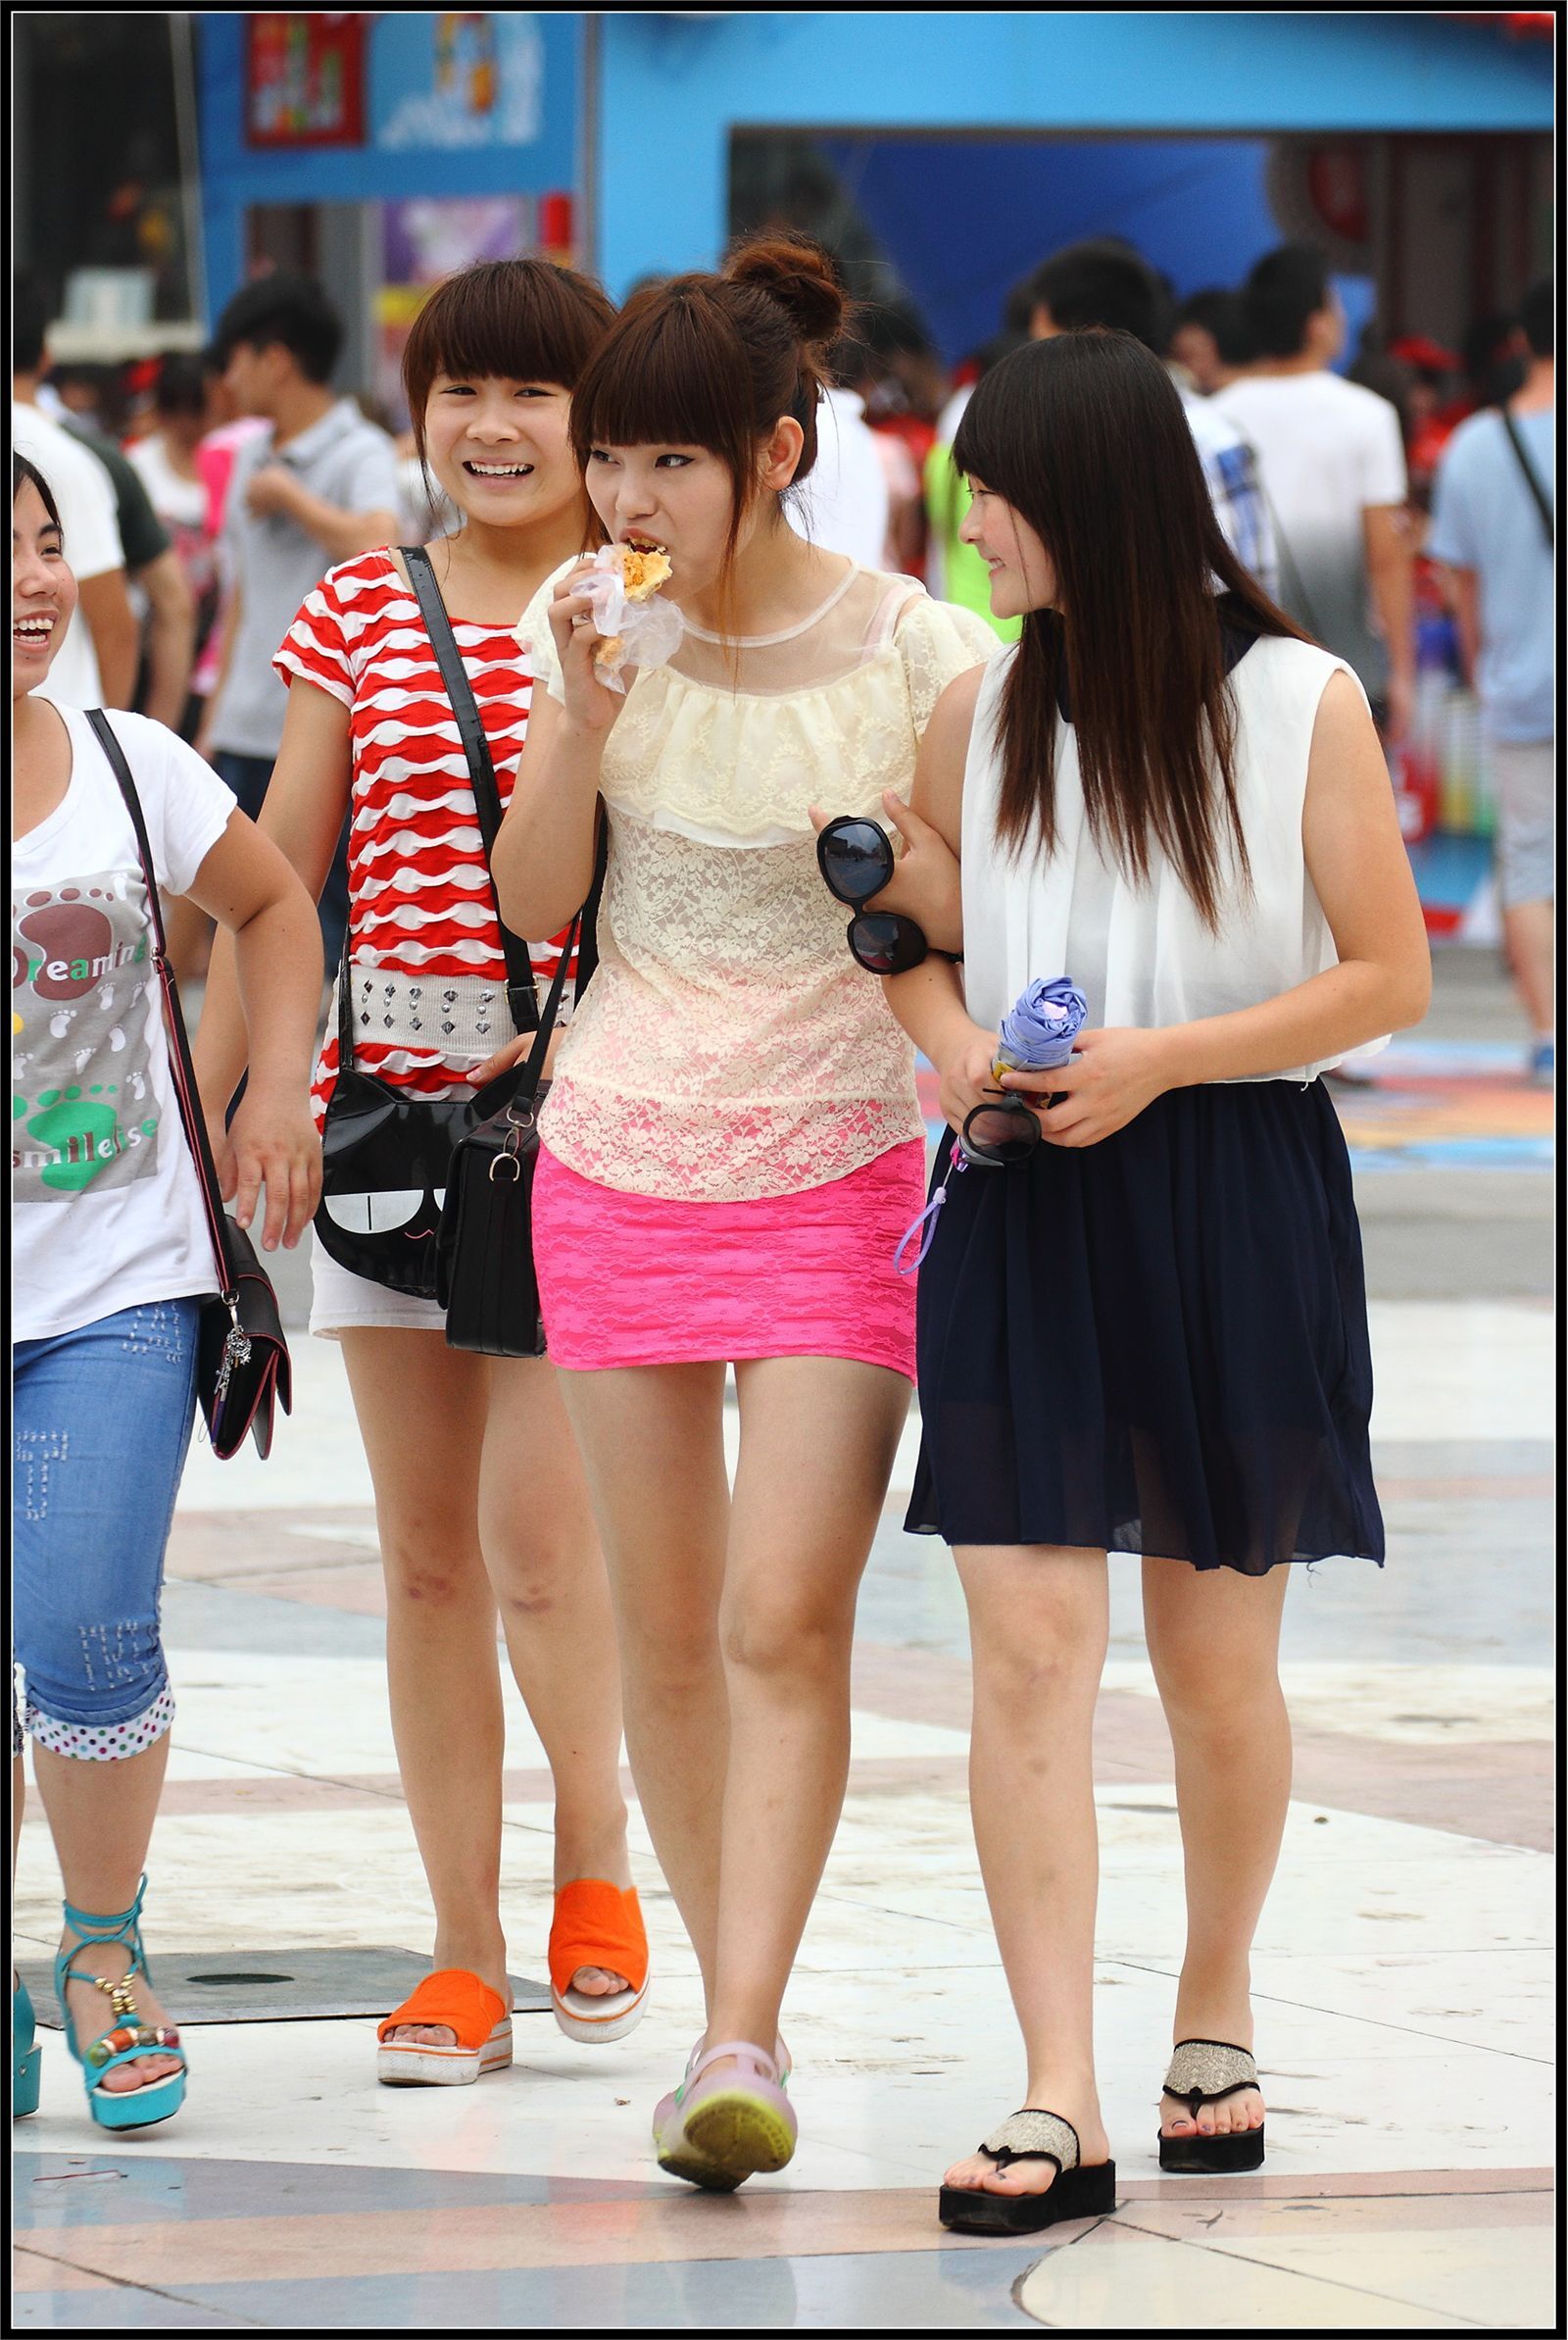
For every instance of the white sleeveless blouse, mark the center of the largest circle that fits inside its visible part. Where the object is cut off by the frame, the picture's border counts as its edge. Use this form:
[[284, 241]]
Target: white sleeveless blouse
[[1141, 953]]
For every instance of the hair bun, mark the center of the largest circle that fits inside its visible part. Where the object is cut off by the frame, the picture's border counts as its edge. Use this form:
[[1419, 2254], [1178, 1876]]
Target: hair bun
[[801, 277]]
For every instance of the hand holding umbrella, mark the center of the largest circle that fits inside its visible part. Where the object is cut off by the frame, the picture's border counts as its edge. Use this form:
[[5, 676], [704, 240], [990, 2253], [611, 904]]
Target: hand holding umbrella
[[1036, 1032]]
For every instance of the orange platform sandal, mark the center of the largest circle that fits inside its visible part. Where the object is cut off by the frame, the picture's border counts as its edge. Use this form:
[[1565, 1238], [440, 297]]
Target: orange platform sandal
[[478, 2017], [597, 1924]]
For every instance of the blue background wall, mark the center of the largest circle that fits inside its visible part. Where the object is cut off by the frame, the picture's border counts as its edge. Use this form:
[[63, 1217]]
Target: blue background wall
[[1197, 210], [673, 89], [400, 66]]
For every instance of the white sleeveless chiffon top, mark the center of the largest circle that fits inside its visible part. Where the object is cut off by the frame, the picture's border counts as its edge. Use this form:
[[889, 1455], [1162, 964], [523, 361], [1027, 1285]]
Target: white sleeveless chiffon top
[[1141, 953]]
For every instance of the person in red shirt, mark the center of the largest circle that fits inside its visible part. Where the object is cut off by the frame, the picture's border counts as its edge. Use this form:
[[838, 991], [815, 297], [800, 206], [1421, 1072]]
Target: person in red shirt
[[480, 1498]]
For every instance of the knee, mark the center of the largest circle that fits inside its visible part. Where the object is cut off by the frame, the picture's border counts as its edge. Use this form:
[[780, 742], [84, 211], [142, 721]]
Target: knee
[[431, 1572], [1053, 1663], [776, 1636], [1206, 1702], [530, 1586]]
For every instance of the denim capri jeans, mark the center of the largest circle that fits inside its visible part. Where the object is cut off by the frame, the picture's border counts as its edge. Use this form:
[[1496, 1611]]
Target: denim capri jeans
[[102, 1421]]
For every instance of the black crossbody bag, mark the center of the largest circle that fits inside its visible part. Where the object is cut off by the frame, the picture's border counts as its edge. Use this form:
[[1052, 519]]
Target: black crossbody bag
[[242, 1362], [386, 1156]]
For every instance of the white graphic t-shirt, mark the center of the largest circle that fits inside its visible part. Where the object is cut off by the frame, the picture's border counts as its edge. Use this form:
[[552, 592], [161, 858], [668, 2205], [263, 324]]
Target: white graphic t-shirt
[[107, 1212]]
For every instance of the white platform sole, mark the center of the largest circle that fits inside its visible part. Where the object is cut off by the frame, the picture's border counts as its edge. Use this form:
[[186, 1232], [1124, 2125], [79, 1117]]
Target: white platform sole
[[409, 2064], [591, 2021]]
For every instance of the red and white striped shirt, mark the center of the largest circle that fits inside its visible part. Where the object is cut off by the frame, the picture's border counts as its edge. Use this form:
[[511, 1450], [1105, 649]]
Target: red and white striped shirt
[[419, 896]]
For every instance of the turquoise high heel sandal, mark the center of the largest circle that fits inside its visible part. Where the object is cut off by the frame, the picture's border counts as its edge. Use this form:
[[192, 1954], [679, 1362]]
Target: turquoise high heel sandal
[[26, 2054], [128, 2038]]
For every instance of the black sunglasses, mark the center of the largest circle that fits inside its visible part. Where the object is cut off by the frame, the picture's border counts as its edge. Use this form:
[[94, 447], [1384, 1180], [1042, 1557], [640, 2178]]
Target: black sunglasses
[[995, 1135], [885, 944], [855, 857]]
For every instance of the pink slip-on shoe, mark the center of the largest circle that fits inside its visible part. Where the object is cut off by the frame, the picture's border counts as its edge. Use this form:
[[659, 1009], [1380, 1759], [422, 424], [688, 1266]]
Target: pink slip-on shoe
[[718, 2134]]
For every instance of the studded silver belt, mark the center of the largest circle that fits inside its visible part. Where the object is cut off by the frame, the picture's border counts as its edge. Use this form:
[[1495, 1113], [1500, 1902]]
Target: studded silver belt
[[457, 1014]]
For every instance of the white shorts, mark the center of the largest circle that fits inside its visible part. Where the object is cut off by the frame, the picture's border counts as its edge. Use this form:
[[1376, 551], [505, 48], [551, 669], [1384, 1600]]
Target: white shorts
[[341, 1301]]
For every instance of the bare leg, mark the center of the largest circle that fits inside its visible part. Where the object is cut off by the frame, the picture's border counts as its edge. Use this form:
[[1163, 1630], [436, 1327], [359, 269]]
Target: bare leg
[[101, 1816], [422, 1411], [653, 1446], [819, 1436], [537, 1531], [1213, 1642], [1039, 1621], [1531, 932]]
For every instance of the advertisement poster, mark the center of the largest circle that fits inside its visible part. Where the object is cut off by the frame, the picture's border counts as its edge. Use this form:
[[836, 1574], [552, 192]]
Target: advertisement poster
[[425, 237], [305, 79], [457, 80]]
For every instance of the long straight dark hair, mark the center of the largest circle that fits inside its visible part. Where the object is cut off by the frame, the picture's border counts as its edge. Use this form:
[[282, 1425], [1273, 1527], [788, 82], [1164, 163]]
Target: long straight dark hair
[[1085, 436]]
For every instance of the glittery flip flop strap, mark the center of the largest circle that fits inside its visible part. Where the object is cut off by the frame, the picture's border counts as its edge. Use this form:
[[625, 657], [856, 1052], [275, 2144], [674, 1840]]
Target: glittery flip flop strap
[[1203, 2071], [1032, 2136]]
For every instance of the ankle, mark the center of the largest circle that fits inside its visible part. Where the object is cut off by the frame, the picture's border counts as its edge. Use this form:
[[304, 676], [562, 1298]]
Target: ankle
[[592, 1847], [758, 2029], [467, 1954], [1215, 2007]]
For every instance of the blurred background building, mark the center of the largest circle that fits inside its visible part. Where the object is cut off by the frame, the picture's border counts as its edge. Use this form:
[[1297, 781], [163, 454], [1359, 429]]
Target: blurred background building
[[941, 153]]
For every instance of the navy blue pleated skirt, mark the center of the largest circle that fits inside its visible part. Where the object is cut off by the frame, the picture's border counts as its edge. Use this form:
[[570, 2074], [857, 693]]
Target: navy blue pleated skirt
[[1156, 1344]]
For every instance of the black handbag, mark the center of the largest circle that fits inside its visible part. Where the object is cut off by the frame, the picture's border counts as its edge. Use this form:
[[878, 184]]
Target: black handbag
[[242, 1362], [386, 1156], [485, 1276]]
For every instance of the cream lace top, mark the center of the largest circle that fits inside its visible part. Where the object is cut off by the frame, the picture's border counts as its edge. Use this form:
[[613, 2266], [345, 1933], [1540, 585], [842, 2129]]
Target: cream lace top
[[728, 1046]]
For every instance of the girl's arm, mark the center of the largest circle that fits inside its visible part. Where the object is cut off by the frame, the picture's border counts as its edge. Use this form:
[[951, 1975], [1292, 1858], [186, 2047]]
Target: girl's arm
[[928, 1001], [926, 884], [247, 885], [543, 863], [1360, 870], [301, 821]]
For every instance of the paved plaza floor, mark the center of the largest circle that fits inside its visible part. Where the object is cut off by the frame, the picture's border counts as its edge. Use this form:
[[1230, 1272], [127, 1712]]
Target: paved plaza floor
[[1403, 1974]]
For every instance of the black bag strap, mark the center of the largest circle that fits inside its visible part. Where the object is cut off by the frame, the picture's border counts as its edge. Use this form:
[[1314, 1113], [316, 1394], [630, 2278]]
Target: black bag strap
[[1541, 502], [522, 997], [186, 1093]]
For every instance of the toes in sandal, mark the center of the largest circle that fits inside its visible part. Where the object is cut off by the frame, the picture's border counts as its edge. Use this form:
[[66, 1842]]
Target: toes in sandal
[[718, 2134], [598, 1924], [1075, 2192], [456, 2000], [128, 2037], [1202, 2072]]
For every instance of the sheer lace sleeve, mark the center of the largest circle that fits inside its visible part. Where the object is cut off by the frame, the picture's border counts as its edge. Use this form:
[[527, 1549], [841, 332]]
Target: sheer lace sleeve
[[938, 642], [537, 641]]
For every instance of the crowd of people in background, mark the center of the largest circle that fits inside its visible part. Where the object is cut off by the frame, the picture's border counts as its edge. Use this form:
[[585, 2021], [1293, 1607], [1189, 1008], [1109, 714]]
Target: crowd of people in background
[[185, 476]]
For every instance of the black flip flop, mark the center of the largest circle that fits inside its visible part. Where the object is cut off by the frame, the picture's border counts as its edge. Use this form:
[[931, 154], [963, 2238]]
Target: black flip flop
[[1032, 2135], [1203, 2071]]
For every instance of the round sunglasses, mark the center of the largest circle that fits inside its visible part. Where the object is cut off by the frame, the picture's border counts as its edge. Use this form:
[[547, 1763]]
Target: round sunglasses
[[856, 858]]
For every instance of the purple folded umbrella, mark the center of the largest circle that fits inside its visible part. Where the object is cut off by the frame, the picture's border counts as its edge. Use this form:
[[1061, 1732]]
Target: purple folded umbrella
[[1041, 1026]]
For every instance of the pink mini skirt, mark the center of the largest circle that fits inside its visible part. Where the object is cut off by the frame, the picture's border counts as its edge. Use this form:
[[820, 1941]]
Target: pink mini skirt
[[628, 1279]]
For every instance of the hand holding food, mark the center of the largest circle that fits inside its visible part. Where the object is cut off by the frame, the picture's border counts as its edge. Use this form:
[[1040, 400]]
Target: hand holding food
[[636, 630]]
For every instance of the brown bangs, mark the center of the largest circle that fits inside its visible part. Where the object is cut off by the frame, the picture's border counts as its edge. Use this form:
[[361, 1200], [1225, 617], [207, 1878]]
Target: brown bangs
[[673, 372], [505, 321]]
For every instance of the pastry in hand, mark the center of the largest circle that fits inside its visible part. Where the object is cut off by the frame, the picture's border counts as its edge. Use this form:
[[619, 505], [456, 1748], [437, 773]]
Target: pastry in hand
[[643, 568], [609, 650]]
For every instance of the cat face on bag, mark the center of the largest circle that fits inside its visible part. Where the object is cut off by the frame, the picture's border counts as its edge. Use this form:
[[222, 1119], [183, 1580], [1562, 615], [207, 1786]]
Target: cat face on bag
[[385, 1213]]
